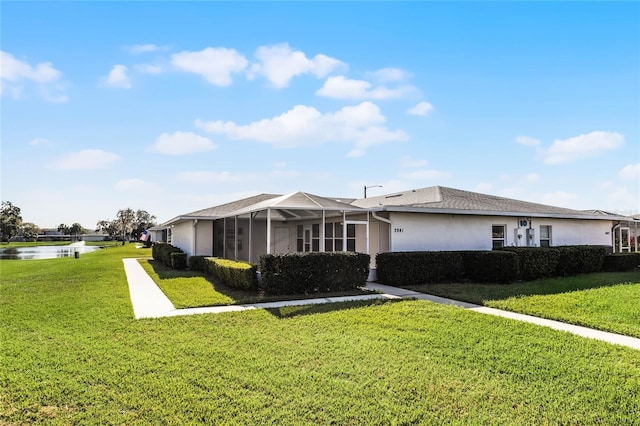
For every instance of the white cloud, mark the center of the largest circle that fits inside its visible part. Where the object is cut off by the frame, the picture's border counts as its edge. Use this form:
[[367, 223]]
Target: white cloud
[[216, 65], [408, 162], [39, 142], [201, 176], [134, 184], [583, 146], [14, 74], [361, 125], [206, 177], [118, 77], [340, 87], [624, 200], [142, 48], [88, 159], [421, 108], [528, 178], [631, 171], [527, 141], [425, 174], [559, 198], [180, 143], [483, 187], [279, 64], [389, 74], [148, 69]]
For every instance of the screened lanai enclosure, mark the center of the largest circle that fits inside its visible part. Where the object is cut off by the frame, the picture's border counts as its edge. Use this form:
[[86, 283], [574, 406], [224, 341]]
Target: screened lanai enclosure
[[298, 222]]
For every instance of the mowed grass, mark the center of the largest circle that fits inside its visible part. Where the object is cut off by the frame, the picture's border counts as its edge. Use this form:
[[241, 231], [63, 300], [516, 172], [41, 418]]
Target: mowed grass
[[606, 301], [192, 289], [188, 289], [72, 353]]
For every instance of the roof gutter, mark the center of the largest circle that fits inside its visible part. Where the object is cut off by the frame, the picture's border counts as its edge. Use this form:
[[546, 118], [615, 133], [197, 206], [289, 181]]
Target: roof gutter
[[492, 213]]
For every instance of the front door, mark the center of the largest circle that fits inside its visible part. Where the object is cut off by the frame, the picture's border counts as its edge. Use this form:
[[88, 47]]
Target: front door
[[281, 240]]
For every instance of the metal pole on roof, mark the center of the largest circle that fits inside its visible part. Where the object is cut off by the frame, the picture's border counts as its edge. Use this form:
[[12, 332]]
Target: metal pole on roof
[[268, 231], [370, 186]]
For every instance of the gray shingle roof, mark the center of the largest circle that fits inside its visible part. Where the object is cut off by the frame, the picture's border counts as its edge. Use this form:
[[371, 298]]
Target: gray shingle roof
[[222, 209], [442, 199]]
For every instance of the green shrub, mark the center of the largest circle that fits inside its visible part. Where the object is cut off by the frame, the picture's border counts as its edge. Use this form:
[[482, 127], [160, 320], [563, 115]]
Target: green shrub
[[197, 263], [233, 273], [621, 262], [162, 253], [490, 266], [576, 260], [305, 273], [419, 267], [178, 260], [535, 262]]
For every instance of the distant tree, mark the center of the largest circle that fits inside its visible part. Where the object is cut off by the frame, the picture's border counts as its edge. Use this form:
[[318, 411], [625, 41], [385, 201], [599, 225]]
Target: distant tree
[[109, 227], [10, 221], [30, 231], [126, 219], [76, 229], [64, 229], [143, 221]]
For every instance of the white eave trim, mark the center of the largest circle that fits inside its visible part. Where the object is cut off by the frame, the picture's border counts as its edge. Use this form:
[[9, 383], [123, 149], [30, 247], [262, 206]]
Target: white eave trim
[[495, 213]]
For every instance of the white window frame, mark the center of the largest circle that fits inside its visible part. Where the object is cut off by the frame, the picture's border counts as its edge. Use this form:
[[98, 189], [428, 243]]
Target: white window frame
[[503, 239], [548, 238]]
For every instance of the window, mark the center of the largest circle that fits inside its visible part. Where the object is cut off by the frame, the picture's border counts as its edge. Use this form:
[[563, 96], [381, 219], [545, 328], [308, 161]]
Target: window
[[300, 238], [545, 235], [328, 237], [497, 236], [315, 237], [333, 233]]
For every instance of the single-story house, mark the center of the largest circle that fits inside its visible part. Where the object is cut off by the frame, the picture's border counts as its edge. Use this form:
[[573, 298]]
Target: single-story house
[[433, 218]]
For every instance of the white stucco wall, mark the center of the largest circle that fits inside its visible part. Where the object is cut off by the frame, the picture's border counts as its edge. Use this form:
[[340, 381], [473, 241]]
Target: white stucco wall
[[413, 231], [204, 238], [182, 236]]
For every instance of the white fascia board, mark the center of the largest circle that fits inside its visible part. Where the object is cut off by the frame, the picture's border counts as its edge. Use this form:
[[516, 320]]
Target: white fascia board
[[179, 219], [494, 213]]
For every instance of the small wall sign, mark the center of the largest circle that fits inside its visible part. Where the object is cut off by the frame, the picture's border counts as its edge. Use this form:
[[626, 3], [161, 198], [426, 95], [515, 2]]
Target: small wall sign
[[398, 229]]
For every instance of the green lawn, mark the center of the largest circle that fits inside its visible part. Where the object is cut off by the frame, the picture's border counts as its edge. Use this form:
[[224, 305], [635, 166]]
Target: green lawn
[[72, 353], [607, 301], [191, 289]]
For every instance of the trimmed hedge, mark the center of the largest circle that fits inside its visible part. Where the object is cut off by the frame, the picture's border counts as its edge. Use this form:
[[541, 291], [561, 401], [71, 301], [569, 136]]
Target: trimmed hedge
[[535, 262], [576, 260], [621, 262], [419, 267], [197, 263], [178, 260], [490, 266], [431, 267], [233, 273], [304, 273], [162, 252]]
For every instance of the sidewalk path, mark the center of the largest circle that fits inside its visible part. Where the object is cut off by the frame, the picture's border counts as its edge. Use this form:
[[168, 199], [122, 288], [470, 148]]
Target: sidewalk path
[[150, 302]]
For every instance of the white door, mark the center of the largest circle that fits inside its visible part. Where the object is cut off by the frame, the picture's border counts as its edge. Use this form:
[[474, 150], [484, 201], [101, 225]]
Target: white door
[[281, 240]]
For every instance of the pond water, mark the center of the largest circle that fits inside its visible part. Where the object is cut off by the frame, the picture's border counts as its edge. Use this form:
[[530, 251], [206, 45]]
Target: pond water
[[45, 252]]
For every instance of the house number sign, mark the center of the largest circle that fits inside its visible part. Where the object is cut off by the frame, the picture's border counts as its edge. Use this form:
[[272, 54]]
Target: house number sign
[[398, 229]]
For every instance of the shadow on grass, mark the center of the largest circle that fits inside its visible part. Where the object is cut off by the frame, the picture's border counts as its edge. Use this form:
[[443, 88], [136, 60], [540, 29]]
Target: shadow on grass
[[295, 311], [480, 293], [240, 296]]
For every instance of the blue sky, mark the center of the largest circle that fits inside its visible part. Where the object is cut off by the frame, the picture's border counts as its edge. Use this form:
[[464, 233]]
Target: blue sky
[[174, 107]]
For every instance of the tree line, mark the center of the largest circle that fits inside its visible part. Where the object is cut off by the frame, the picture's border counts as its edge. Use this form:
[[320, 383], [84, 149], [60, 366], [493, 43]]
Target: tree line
[[127, 224]]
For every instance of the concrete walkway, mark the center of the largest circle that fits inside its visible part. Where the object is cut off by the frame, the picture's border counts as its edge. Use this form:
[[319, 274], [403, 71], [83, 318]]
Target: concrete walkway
[[150, 302]]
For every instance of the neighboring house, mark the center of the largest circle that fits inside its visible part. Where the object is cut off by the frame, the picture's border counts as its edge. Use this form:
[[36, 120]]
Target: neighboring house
[[96, 236], [434, 218]]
